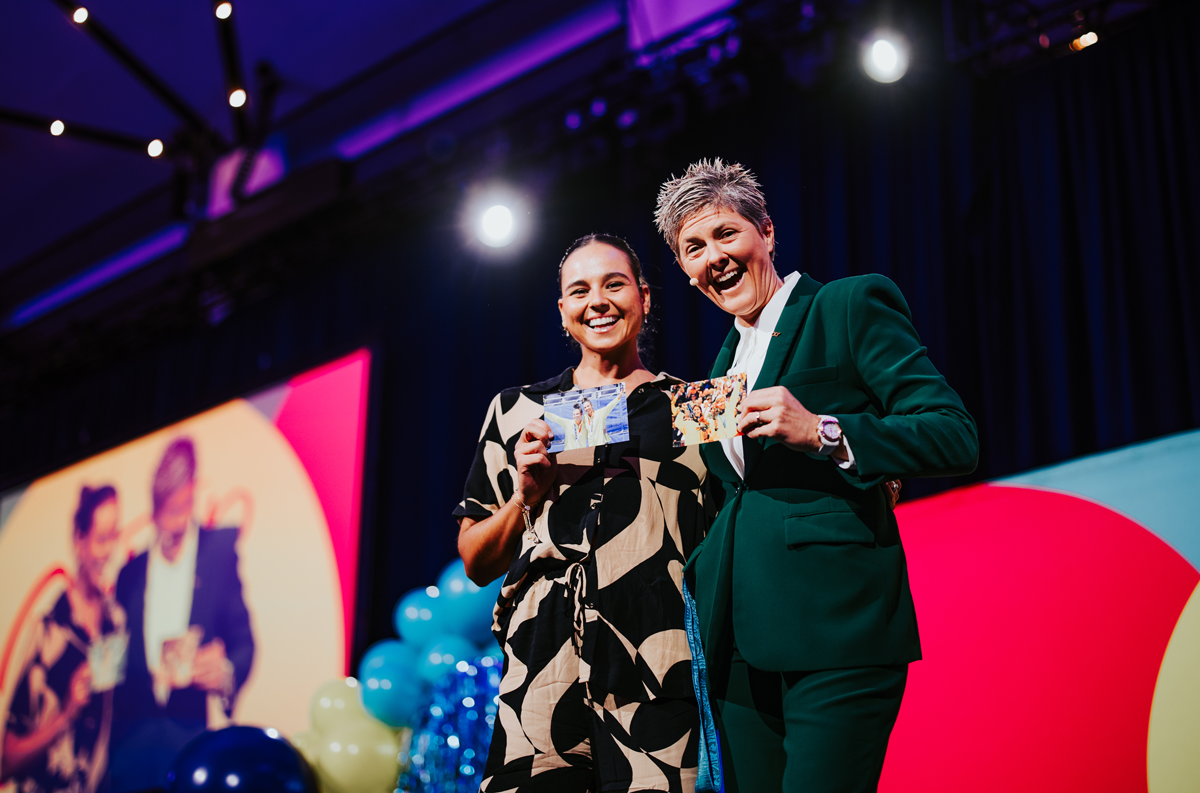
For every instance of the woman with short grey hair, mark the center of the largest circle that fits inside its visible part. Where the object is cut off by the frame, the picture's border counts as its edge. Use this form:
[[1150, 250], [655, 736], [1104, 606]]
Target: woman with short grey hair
[[801, 585]]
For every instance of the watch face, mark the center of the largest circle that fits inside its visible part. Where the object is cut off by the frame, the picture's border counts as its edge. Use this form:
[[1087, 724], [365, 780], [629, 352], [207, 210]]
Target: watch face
[[831, 431]]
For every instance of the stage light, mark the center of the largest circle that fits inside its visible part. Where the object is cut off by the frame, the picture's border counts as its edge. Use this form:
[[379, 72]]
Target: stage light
[[496, 226], [599, 107], [237, 97], [885, 57], [1086, 40], [573, 120], [496, 221], [57, 128], [627, 119], [80, 16], [155, 148], [223, 10]]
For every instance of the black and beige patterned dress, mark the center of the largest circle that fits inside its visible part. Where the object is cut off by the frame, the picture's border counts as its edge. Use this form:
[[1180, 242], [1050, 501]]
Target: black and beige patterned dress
[[597, 689], [75, 760]]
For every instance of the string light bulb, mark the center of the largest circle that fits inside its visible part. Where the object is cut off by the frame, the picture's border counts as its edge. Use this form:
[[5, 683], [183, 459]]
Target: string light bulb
[[223, 10], [80, 16], [1086, 40], [57, 128], [237, 97]]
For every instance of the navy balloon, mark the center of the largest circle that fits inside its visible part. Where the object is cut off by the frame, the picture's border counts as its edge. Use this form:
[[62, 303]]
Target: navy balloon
[[467, 607], [392, 690], [240, 758], [419, 616]]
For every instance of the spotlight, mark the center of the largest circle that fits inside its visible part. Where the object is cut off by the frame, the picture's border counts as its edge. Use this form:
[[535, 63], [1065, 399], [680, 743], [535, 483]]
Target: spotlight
[[223, 10], [155, 148], [573, 120], [237, 97], [1086, 40], [57, 128], [627, 119], [80, 16], [496, 221], [496, 226], [885, 57], [599, 107]]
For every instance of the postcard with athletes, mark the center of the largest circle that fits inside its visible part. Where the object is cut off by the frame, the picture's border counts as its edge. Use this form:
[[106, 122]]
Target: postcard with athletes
[[587, 417], [706, 410]]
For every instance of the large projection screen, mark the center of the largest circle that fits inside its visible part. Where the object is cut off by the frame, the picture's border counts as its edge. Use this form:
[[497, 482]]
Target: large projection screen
[[276, 500]]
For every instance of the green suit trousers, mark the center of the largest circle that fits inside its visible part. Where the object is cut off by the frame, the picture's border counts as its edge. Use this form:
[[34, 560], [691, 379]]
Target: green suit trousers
[[807, 732]]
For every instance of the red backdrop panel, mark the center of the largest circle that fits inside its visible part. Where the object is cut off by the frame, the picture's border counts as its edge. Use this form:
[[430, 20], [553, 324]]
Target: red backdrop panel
[[1044, 619], [324, 418]]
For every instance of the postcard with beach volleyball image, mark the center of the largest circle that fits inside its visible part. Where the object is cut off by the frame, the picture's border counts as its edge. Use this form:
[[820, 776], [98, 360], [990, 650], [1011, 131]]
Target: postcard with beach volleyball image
[[706, 410], [587, 417]]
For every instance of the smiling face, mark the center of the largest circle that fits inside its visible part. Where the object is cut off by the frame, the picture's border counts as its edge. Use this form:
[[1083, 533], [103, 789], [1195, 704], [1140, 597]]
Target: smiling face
[[172, 519], [602, 304], [93, 549], [730, 258]]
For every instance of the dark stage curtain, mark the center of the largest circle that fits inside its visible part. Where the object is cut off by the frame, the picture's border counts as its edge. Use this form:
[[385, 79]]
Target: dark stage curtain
[[1044, 227]]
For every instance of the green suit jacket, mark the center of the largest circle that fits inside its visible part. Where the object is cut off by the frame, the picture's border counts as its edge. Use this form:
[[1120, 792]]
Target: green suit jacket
[[804, 563]]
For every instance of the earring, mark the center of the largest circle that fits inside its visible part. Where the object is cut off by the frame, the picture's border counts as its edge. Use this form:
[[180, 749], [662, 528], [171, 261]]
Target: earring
[[694, 282]]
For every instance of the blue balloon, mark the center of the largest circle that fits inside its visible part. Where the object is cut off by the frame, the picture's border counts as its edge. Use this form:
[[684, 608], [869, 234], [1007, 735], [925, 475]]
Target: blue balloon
[[443, 654], [420, 616], [241, 758], [467, 607], [392, 690]]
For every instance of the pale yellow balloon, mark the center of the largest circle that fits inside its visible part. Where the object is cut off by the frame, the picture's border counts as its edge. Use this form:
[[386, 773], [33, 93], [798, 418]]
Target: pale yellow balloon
[[334, 702], [308, 744], [1173, 744], [360, 757]]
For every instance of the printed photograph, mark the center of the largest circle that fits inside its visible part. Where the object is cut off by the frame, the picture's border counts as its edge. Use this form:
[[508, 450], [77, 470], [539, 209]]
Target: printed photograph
[[587, 417], [706, 410]]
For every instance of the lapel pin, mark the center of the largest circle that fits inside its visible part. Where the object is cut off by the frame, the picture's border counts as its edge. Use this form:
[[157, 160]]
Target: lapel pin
[[776, 333]]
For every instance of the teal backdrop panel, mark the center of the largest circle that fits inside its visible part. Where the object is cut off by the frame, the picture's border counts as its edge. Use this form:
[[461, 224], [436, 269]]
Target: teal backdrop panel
[[1156, 483]]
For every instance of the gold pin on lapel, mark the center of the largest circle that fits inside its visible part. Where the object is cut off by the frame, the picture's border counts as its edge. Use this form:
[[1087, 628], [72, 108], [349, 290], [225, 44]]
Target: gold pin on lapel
[[776, 333]]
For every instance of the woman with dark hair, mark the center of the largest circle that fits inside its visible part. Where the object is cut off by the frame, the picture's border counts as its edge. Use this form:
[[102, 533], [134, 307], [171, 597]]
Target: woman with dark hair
[[56, 735], [597, 691]]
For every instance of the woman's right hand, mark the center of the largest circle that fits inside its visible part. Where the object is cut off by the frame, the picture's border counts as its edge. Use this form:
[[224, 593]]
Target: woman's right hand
[[536, 467], [79, 692]]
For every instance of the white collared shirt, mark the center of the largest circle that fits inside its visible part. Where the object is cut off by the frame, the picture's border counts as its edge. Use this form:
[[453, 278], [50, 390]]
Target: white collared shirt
[[749, 356], [169, 587]]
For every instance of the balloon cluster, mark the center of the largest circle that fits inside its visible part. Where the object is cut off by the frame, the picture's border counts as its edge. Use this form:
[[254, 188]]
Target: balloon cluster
[[450, 744], [350, 750], [361, 727]]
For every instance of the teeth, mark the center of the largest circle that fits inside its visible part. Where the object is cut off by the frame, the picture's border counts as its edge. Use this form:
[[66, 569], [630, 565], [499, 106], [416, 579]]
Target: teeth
[[602, 322], [732, 274]]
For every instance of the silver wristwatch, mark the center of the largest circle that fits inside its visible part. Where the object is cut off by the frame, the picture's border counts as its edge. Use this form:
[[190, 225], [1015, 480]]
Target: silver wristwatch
[[829, 433]]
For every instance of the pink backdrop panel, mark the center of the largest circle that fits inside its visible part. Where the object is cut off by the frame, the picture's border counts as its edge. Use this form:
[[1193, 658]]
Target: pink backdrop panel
[[324, 418], [1044, 619]]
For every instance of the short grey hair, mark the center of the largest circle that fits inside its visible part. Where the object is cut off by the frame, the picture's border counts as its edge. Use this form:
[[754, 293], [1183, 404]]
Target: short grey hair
[[705, 184]]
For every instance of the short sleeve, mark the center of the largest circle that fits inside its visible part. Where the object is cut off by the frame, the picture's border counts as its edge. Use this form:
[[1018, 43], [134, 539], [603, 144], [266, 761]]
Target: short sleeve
[[490, 480]]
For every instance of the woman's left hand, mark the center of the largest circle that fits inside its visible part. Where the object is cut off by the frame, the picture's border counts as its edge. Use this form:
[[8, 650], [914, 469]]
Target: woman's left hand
[[775, 413]]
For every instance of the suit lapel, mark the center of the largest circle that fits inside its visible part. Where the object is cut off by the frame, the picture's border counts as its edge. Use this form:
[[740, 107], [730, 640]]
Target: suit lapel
[[780, 350], [787, 332]]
